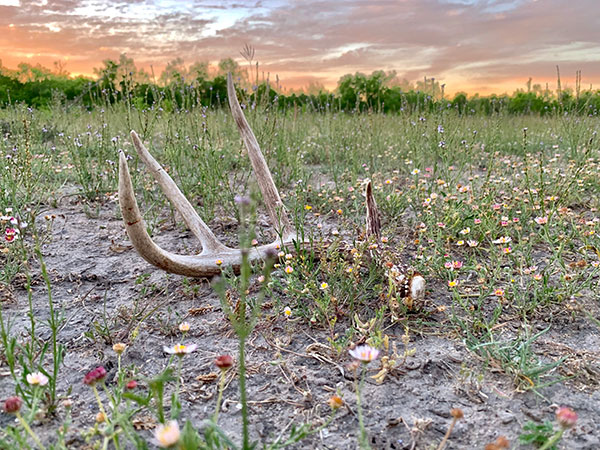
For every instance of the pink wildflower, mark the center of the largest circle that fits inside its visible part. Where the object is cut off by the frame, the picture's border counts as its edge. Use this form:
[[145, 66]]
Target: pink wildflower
[[364, 353], [98, 374]]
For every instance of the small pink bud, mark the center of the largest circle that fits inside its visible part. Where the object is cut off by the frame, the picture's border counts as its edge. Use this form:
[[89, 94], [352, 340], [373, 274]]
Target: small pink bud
[[12, 404], [224, 362], [94, 376], [132, 384], [566, 417]]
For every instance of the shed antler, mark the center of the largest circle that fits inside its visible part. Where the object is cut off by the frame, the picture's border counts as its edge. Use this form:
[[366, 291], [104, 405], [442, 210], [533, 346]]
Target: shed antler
[[214, 254]]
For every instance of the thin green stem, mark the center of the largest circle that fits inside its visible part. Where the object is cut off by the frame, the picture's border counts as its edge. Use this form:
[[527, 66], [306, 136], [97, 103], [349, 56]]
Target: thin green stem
[[324, 425], [31, 315], [220, 396], [6, 345], [27, 428], [243, 398], [100, 405], [115, 438], [54, 325], [302, 434], [34, 402], [553, 440], [178, 382], [363, 439]]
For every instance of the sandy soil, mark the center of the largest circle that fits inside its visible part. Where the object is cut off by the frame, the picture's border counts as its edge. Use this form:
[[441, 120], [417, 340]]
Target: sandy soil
[[99, 281]]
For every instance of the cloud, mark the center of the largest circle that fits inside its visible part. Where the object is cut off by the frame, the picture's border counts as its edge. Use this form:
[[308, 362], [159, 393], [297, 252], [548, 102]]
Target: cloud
[[468, 44]]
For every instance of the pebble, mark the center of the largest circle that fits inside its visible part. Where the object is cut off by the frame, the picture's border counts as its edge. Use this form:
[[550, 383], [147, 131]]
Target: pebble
[[505, 416]]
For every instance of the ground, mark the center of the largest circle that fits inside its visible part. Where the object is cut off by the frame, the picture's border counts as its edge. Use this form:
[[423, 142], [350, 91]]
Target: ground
[[102, 286], [499, 213]]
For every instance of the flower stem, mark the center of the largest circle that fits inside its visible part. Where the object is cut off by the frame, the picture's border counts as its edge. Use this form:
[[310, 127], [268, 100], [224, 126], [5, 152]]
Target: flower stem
[[115, 438], [220, 396], [243, 398], [54, 324], [447, 435], [178, 383], [553, 440], [363, 439], [34, 403], [34, 436], [324, 425], [100, 405]]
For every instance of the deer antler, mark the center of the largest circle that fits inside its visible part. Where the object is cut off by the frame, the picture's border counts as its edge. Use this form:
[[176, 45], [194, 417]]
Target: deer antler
[[214, 255]]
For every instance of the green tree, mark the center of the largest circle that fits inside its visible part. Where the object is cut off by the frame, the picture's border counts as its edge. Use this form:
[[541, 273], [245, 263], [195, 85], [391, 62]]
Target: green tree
[[174, 72], [199, 70], [229, 65], [359, 91]]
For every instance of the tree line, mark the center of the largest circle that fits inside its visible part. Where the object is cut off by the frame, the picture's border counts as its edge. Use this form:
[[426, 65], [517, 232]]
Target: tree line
[[181, 87]]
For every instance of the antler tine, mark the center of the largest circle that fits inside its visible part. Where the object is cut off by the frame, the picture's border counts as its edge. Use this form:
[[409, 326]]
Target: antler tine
[[136, 228], [269, 191], [204, 265], [373, 220], [210, 244]]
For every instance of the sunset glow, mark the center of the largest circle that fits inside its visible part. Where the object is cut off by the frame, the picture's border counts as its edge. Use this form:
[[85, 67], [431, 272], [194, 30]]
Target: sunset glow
[[484, 46]]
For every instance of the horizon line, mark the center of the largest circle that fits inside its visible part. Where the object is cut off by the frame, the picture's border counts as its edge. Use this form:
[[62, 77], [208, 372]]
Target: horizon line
[[515, 85]]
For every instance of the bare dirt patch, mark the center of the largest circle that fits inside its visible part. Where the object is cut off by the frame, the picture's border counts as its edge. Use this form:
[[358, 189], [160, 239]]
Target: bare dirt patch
[[103, 287]]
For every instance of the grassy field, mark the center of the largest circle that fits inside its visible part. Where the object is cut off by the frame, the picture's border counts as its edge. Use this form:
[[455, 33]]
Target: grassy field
[[499, 214]]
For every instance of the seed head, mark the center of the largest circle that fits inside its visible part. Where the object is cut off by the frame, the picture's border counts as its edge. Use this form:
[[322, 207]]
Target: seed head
[[119, 348], [12, 404], [224, 362], [499, 444], [335, 402], [457, 413]]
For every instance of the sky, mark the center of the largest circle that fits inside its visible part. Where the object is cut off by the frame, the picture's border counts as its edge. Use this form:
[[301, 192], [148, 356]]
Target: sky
[[483, 46]]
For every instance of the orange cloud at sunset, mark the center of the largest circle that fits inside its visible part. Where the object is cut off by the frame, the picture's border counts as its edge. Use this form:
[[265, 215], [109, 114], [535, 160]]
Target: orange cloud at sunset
[[485, 46]]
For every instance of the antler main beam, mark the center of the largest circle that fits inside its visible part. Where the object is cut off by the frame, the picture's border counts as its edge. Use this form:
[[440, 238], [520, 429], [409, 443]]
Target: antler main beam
[[273, 202], [214, 255]]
